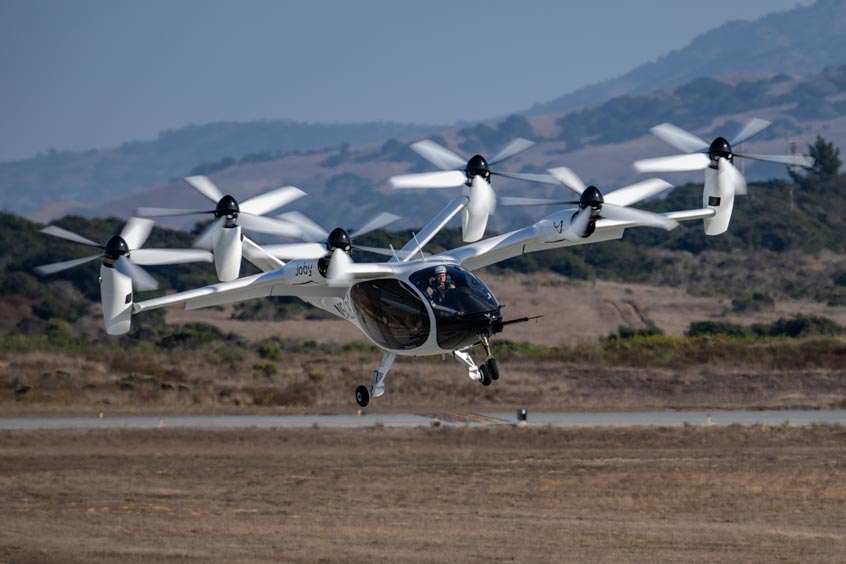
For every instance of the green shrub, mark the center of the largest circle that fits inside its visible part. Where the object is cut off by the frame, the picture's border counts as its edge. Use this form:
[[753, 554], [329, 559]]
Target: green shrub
[[706, 328], [265, 369], [798, 326], [270, 351], [756, 301], [627, 332]]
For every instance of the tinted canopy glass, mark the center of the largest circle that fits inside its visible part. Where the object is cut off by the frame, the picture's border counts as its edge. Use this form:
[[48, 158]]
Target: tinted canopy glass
[[464, 307], [391, 313]]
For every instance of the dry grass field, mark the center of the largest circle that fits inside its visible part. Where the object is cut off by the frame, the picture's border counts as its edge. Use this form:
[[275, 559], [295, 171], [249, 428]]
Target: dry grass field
[[448, 494]]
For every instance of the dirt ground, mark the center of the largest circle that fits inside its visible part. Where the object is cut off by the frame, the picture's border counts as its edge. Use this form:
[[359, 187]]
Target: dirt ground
[[448, 494]]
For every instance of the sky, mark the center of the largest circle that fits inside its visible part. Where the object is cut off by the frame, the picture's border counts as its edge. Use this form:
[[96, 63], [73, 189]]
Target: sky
[[82, 74]]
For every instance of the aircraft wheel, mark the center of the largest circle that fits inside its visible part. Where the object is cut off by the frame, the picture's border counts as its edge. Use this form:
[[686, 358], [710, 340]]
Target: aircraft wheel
[[493, 368], [486, 375], [362, 396]]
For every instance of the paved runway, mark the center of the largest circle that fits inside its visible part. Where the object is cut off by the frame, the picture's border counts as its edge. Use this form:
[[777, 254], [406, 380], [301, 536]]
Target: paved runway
[[454, 418]]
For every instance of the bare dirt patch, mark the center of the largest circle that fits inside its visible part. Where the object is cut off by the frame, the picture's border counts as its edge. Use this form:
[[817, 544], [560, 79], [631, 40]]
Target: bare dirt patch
[[760, 494]]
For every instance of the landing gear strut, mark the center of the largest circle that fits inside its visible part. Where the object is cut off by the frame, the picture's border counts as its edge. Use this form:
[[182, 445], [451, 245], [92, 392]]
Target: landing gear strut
[[377, 383], [484, 373]]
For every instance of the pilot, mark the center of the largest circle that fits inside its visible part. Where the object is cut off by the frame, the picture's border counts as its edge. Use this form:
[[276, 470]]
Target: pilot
[[439, 285]]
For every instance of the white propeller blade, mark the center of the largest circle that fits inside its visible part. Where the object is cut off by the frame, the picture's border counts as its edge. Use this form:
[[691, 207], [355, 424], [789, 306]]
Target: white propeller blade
[[729, 175], [141, 279], [269, 201], [378, 222], [539, 178], [150, 257], [790, 160], [751, 129], [640, 217], [208, 237], [205, 187], [59, 266], [267, 225], [311, 230], [444, 179], [290, 251], [675, 163], [578, 227], [568, 178], [679, 138], [634, 193], [164, 212], [438, 155], [70, 236], [514, 148], [136, 231], [513, 201]]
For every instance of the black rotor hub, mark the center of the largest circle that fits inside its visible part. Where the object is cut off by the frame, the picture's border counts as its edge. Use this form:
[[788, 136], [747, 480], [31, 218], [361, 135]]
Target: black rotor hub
[[227, 207], [339, 239], [591, 197], [477, 166], [115, 248], [720, 148]]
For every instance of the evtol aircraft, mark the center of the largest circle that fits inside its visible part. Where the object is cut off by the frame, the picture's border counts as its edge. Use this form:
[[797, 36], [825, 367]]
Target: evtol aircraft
[[412, 303]]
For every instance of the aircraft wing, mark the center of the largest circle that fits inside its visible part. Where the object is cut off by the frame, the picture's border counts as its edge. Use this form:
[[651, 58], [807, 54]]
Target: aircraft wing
[[515, 243], [274, 283], [546, 234]]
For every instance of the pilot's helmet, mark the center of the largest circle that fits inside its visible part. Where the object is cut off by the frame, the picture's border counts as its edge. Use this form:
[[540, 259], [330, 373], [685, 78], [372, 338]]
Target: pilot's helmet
[[440, 269]]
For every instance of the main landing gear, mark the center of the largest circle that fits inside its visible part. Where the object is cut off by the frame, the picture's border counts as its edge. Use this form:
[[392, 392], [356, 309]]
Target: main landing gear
[[377, 383], [484, 373]]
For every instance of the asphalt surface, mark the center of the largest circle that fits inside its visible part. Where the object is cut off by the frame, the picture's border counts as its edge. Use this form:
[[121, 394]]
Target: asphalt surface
[[459, 418]]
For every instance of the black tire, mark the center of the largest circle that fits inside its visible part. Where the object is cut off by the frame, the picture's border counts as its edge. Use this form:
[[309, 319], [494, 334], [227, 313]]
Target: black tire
[[486, 375], [362, 396], [493, 368]]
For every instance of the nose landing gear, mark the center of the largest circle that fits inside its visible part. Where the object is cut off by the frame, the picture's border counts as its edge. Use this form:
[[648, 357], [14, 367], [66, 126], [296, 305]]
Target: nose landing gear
[[485, 373]]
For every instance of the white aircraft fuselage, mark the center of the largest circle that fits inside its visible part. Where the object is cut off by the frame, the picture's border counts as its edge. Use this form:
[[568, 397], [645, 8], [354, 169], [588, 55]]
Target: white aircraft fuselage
[[407, 312]]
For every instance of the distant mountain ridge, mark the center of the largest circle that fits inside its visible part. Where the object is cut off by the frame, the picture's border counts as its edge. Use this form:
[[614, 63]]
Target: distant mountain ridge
[[351, 163], [800, 41]]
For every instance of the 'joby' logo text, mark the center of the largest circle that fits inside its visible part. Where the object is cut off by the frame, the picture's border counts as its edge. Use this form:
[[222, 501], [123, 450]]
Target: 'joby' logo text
[[304, 269]]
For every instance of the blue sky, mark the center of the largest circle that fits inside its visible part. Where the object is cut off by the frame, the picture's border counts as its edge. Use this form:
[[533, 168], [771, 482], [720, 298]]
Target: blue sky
[[90, 74]]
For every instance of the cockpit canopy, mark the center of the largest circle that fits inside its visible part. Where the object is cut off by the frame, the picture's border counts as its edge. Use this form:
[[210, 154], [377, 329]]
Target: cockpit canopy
[[464, 307], [456, 293], [392, 313]]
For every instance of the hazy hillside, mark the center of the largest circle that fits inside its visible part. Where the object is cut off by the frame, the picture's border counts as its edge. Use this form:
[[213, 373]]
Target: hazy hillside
[[52, 184], [350, 164], [347, 186], [798, 41]]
